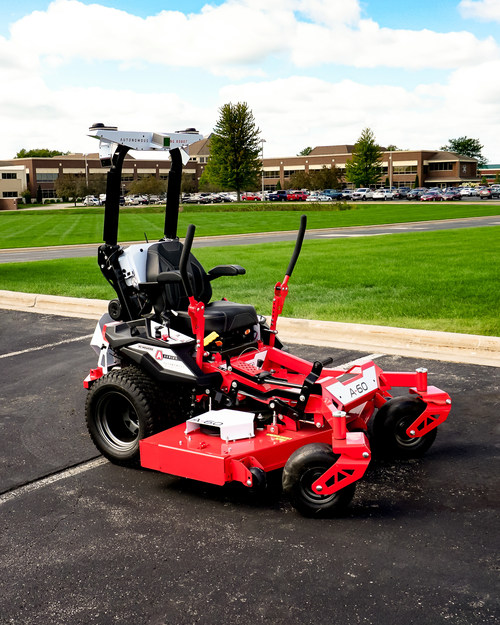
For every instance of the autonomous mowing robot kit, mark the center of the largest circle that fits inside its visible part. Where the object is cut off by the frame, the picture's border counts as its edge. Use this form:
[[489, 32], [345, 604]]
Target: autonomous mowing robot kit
[[204, 390]]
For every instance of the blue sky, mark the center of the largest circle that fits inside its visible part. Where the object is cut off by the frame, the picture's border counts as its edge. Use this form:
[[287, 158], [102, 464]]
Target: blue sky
[[314, 72]]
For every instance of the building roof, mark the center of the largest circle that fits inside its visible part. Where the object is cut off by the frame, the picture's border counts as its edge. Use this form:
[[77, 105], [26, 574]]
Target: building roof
[[200, 148], [331, 150], [440, 155]]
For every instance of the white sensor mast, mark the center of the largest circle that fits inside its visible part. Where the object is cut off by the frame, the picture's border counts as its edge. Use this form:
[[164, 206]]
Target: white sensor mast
[[110, 137]]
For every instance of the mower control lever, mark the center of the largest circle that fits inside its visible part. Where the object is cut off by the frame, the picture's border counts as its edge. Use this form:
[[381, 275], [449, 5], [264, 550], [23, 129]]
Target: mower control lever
[[298, 245], [186, 250]]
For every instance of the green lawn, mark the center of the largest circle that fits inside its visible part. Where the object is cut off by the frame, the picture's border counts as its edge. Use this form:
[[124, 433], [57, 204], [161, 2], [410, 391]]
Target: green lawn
[[84, 225], [446, 280]]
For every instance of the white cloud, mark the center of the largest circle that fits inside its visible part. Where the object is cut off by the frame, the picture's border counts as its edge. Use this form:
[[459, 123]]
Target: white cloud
[[485, 10], [238, 36], [324, 113], [236, 39]]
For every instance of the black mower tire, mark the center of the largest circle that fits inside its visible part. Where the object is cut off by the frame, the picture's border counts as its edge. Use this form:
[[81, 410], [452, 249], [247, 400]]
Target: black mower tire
[[123, 407], [302, 469], [388, 429]]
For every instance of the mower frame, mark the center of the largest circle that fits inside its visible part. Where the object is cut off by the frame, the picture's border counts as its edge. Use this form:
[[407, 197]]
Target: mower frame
[[247, 406]]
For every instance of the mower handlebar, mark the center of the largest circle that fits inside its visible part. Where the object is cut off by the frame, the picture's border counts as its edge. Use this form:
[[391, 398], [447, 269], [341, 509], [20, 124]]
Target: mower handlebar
[[298, 245], [183, 263]]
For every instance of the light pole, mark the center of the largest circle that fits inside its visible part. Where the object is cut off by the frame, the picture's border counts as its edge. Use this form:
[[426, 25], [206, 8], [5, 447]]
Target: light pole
[[390, 170], [86, 171], [262, 141]]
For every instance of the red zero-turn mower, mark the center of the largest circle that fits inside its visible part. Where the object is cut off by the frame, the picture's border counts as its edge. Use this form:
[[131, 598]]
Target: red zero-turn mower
[[204, 389]]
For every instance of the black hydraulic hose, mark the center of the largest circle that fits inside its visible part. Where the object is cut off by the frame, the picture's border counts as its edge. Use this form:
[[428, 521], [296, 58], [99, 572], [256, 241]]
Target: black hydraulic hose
[[113, 191], [298, 245], [183, 263], [173, 193]]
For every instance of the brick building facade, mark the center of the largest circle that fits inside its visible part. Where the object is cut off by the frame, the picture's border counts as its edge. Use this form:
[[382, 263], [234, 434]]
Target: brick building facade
[[402, 168]]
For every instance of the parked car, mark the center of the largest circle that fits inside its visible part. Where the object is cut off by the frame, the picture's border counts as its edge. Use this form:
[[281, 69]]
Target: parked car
[[278, 196], [297, 196], [415, 194], [333, 194], [465, 191], [346, 194], [318, 197], [383, 194], [451, 194], [90, 200], [250, 197], [362, 193], [431, 196], [489, 192], [196, 198], [401, 193]]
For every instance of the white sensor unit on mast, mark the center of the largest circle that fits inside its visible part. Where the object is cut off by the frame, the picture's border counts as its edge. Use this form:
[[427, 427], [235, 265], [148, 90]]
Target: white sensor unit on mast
[[109, 137]]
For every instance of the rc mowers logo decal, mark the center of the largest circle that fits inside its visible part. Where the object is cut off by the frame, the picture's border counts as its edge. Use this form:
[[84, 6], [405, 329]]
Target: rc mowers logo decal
[[165, 358]]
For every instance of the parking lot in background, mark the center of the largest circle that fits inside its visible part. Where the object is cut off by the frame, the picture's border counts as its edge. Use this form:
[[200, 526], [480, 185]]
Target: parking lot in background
[[84, 541]]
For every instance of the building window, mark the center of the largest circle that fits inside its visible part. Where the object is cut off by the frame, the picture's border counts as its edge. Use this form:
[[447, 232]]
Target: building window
[[288, 173], [9, 194], [46, 177], [9, 176], [404, 169], [440, 166], [275, 173]]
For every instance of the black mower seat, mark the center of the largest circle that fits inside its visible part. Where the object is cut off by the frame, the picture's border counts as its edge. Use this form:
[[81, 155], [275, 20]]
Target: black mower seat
[[221, 316]]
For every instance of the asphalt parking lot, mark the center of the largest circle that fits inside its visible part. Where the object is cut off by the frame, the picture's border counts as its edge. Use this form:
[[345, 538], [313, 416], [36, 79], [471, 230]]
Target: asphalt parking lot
[[84, 541]]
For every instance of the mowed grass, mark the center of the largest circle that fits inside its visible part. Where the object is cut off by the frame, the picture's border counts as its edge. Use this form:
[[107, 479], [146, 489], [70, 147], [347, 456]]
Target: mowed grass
[[445, 280], [85, 225]]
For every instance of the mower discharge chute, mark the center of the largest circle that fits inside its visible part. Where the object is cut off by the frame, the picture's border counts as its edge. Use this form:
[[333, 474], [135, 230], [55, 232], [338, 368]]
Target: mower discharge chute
[[202, 389]]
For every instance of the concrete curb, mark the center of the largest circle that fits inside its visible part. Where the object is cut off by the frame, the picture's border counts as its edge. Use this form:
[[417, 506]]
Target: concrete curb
[[447, 346]]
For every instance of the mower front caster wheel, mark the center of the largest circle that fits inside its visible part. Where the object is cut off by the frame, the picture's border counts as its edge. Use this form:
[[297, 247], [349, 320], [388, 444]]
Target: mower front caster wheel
[[302, 469], [122, 409], [388, 429]]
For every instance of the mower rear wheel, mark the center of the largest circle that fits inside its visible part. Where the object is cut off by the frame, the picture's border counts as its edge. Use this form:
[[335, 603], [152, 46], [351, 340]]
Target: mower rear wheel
[[302, 469], [388, 429], [122, 408]]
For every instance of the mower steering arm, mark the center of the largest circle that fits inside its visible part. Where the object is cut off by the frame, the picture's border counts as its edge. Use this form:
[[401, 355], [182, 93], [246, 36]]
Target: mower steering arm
[[226, 270]]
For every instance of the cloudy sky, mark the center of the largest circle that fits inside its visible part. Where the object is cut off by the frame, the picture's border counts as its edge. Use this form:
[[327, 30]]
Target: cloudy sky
[[314, 72]]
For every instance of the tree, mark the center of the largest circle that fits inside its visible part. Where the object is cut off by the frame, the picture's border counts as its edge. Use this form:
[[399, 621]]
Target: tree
[[364, 168], [150, 185], [69, 186], [26, 195], [189, 183], [42, 152], [497, 178], [466, 147], [300, 180], [305, 151], [235, 161], [95, 186], [325, 178]]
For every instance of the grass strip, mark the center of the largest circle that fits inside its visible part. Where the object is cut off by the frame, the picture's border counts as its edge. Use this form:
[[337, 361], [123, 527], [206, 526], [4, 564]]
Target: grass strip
[[433, 281], [85, 225]]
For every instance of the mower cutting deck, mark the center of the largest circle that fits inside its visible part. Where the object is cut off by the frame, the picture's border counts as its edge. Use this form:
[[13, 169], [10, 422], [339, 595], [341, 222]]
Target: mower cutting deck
[[203, 390]]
